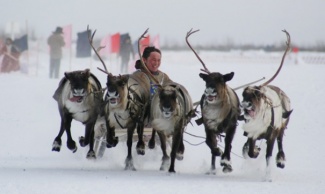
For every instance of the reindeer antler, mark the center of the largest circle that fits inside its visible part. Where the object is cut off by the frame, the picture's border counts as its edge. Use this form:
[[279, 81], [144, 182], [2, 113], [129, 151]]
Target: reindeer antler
[[283, 57], [189, 33], [141, 59], [91, 38]]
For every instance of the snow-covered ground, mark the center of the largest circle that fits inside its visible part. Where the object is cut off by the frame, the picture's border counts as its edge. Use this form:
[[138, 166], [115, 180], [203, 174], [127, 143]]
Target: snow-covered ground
[[29, 122]]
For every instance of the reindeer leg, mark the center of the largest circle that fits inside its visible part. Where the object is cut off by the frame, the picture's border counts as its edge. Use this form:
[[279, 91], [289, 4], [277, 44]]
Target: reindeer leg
[[110, 136], [56, 146], [71, 144], [152, 140], [181, 149], [140, 145], [84, 141], [91, 153], [177, 137], [129, 160], [165, 158], [269, 150], [280, 157], [225, 158], [211, 141]]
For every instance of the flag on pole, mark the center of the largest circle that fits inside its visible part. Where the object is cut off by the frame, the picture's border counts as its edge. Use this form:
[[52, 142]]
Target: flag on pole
[[145, 42], [67, 35], [21, 43], [83, 46], [115, 43]]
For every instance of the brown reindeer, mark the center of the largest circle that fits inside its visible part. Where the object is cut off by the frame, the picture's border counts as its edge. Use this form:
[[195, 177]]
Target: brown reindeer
[[126, 107], [266, 111], [220, 110], [79, 97], [171, 110]]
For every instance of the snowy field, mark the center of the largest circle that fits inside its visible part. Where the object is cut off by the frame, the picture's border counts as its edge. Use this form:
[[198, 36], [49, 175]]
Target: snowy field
[[29, 122]]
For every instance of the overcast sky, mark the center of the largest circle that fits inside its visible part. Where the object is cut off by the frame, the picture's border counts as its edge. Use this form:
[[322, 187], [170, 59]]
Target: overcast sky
[[239, 21]]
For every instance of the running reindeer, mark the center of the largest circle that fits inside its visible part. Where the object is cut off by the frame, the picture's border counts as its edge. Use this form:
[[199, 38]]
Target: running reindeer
[[266, 111], [171, 111], [220, 111], [79, 97], [126, 106]]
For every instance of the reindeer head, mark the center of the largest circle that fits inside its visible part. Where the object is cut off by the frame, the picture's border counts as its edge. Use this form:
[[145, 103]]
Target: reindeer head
[[116, 88], [252, 96], [167, 105], [79, 84], [215, 86]]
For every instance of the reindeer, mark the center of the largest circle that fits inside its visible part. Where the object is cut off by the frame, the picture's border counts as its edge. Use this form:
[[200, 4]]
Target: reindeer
[[266, 111], [220, 111], [79, 97], [126, 107], [171, 110]]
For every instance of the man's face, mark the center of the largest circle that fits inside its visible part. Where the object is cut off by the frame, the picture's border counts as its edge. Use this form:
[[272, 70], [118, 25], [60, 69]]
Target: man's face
[[153, 61]]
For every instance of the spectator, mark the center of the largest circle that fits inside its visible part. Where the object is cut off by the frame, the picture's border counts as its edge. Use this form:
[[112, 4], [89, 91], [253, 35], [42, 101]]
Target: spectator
[[56, 42], [10, 60], [125, 51]]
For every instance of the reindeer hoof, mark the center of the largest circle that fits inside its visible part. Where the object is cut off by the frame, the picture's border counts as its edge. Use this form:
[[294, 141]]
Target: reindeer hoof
[[151, 144], [129, 165], [227, 168], [280, 160], [141, 151], [140, 148], [164, 165], [83, 142], [171, 170], [56, 146], [212, 171], [72, 146], [112, 142], [91, 155], [179, 156]]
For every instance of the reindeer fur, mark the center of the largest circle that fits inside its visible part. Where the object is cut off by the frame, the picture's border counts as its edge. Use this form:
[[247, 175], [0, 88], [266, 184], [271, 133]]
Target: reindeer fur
[[127, 106], [171, 110], [266, 114], [220, 110], [79, 97]]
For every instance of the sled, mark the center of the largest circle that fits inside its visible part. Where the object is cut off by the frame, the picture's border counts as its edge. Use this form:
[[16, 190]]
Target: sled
[[100, 138]]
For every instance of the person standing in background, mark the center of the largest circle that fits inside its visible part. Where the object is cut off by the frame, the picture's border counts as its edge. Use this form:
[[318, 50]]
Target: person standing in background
[[10, 60], [125, 51], [56, 42]]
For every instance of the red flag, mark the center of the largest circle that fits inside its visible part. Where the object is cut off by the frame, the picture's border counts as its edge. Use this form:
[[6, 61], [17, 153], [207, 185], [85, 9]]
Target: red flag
[[105, 42], [155, 41], [145, 42], [115, 43], [67, 35]]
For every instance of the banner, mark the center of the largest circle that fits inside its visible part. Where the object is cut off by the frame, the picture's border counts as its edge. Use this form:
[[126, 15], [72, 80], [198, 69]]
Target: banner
[[145, 42], [21, 43], [115, 43], [67, 35], [83, 45]]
